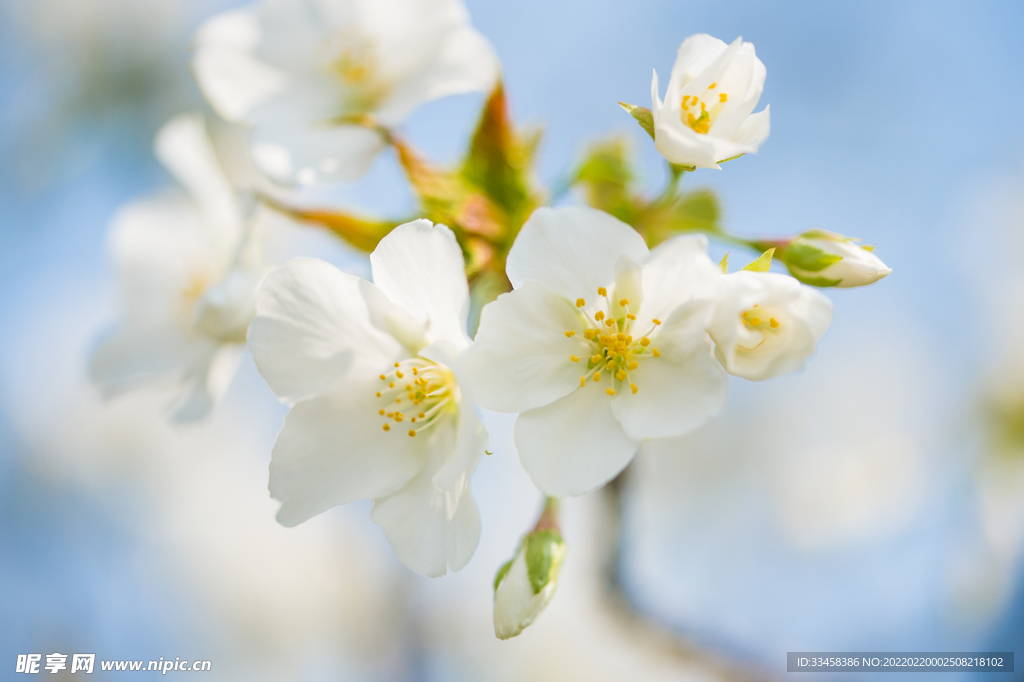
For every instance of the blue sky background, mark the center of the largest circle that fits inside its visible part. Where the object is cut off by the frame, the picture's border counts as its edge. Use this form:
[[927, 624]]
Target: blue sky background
[[895, 122]]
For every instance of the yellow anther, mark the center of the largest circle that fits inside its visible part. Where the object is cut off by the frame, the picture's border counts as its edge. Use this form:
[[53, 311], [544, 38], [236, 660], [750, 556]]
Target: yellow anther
[[601, 291], [712, 86], [723, 97], [597, 377], [570, 334], [703, 107], [413, 420], [656, 321], [583, 382], [773, 322], [756, 321], [633, 388], [574, 358], [397, 364], [580, 303], [383, 378], [381, 412], [755, 305], [620, 375], [398, 400], [387, 427], [399, 417], [624, 302], [399, 375], [421, 415], [610, 365], [630, 316], [610, 322], [656, 353], [685, 97], [595, 359], [391, 385], [610, 391], [599, 315], [378, 394], [411, 433], [633, 364], [645, 342], [408, 387]]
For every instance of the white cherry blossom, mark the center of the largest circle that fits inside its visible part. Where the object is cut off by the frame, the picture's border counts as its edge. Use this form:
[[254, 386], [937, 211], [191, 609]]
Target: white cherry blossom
[[377, 410], [707, 115], [308, 74], [601, 344], [766, 325], [189, 269]]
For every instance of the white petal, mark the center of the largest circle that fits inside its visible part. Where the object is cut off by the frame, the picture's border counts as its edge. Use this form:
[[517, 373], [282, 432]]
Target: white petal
[[132, 356], [230, 77], [681, 389], [628, 285], [433, 522], [572, 249], [575, 444], [520, 358], [420, 267], [304, 153], [694, 55], [312, 327], [754, 130], [332, 450], [206, 383], [681, 145], [184, 148], [678, 270]]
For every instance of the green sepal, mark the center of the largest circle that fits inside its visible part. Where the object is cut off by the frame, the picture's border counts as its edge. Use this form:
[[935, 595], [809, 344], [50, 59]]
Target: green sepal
[[502, 572], [732, 158], [822, 282], [763, 262], [544, 552], [642, 115], [724, 263], [867, 247], [805, 256]]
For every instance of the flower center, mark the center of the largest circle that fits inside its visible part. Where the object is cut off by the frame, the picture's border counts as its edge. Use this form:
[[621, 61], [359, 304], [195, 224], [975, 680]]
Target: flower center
[[696, 113], [614, 350], [352, 58], [424, 389], [755, 319]]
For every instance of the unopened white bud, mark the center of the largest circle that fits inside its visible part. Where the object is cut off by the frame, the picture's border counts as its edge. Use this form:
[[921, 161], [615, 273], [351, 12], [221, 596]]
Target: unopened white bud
[[826, 259], [524, 586]]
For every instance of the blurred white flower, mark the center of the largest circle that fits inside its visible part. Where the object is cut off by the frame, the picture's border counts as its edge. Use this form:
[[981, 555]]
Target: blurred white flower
[[766, 325], [376, 407], [595, 375], [525, 584], [189, 271], [313, 77], [827, 259], [707, 117]]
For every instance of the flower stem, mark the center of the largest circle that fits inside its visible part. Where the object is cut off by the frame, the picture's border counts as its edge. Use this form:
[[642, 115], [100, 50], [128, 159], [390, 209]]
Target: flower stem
[[549, 515]]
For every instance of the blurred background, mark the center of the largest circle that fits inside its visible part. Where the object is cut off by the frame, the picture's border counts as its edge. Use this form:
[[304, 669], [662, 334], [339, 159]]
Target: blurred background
[[873, 502]]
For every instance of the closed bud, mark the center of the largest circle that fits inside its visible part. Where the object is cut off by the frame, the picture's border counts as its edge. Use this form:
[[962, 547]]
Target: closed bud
[[525, 584], [827, 259]]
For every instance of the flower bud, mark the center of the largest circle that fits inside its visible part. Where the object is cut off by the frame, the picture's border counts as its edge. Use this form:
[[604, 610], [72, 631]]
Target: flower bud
[[525, 584], [827, 259]]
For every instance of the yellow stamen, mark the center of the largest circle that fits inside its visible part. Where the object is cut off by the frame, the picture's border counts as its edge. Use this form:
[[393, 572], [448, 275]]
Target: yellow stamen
[[656, 353], [620, 375], [383, 378], [413, 420], [397, 364], [422, 416], [624, 302], [387, 427], [570, 334], [596, 359], [599, 315], [633, 365], [381, 412], [597, 377], [773, 322], [590, 334], [601, 291], [610, 322], [633, 388], [756, 321], [723, 97], [712, 86], [583, 382], [391, 385], [580, 303], [630, 316], [610, 391], [399, 375], [411, 433], [656, 321], [574, 358], [645, 342], [378, 394]]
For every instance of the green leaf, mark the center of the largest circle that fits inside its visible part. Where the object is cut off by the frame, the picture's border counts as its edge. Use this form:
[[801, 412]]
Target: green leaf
[[805, 256], [724, 263], [816, 281], [502, 572], [642, 115], [544, 551], [763, 262]]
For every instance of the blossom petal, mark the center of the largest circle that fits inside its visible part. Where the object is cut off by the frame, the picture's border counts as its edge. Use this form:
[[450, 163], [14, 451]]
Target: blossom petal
[[420, 266], [312, 328], [695, 54], [332, 450], [433, 522], [679, 390], [575, 444], [678, 270], [521, 356], [572, 249], [754, 130], [230, 77], [299, 152]]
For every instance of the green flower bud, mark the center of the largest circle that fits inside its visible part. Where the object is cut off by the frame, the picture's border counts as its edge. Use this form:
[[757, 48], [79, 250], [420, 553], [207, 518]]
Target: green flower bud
[[827, 259], [525, 584]]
